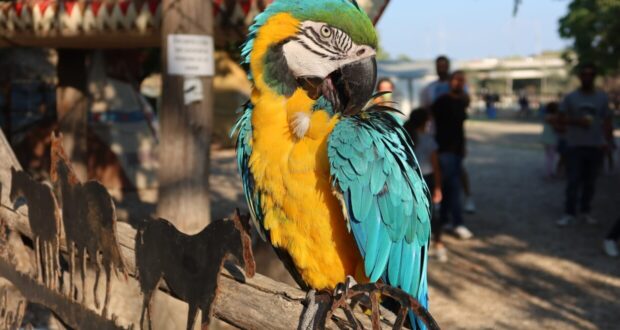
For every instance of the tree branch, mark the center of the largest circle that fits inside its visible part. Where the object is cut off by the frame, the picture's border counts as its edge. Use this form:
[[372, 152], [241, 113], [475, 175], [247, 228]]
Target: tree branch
[[256, 303]]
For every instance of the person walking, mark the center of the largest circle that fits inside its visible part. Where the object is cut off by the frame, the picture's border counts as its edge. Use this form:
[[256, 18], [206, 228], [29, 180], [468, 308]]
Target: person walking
[[449, 114], [587, 117], [549, 138], [431, 93], [425, 149]]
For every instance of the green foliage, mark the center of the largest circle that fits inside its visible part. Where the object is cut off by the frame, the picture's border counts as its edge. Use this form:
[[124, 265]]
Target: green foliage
[[382, 55], [515, 9], [594, 27], [404, 58]]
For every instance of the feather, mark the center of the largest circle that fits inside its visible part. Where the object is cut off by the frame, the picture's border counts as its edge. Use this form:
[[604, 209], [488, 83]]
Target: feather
[[385, 245], [372, 228], [388, 200], [394, 262]]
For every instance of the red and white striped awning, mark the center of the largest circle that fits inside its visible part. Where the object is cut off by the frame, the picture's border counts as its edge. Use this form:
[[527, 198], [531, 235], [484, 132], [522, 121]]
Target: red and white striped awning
[[120, 23]]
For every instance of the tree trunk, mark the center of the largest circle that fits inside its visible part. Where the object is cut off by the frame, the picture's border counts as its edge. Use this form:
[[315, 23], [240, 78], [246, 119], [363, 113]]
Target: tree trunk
[[185, 129], [72, 102]]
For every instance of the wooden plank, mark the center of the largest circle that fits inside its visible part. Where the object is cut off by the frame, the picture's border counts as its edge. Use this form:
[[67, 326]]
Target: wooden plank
[[256, 303], [102, 40], [71, 312]]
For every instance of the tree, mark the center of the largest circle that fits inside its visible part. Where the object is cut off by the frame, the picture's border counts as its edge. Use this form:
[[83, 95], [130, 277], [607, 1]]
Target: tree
[[404, 58], [515, 9], [382, 55], [594, 27]]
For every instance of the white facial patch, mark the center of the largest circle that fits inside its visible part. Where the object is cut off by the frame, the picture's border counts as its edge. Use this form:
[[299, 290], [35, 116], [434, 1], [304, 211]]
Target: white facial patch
[[300, 124], [304, 63], [320, 49]]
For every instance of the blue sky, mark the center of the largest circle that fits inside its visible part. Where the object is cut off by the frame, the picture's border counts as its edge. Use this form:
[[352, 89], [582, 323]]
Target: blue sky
[[469, 29]]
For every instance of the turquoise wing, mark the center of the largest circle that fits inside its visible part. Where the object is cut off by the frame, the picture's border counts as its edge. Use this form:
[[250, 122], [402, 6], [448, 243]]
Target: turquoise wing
[[387, 203], [243, 128]]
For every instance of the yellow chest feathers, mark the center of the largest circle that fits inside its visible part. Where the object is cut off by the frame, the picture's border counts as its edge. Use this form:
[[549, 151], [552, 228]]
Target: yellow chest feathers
[[290, 166]]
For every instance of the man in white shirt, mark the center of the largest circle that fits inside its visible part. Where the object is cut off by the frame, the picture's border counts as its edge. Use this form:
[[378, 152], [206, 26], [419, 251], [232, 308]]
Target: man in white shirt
[[429, 95], [438, 87], [588, 118]]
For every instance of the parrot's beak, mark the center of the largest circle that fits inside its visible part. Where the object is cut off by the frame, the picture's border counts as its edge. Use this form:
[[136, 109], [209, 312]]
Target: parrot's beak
[[351, 86]]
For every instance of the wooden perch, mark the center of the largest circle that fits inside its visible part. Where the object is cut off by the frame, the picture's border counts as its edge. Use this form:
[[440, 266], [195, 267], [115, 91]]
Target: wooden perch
[[72, 313], [256, 303], [259, 303]]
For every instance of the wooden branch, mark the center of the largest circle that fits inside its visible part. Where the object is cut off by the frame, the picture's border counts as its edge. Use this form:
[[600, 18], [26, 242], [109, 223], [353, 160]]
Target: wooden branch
[[256, 303], [259, 303], [245, 303], [103, 40], [71, 312]]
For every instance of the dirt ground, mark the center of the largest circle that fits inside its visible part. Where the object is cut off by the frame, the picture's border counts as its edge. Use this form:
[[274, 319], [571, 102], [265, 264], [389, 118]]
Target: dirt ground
[[520, 270]]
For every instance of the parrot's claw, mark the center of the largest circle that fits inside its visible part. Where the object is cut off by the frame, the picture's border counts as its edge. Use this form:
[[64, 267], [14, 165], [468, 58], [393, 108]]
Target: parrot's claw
[[315, 313], [341, 296], [321, 305]]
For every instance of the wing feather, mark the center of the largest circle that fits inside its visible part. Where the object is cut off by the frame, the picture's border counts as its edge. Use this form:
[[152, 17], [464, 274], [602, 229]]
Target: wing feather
[[243, 128], [384, 195]]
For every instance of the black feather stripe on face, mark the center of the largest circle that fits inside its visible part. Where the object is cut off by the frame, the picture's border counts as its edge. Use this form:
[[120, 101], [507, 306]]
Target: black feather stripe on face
[[277, 74], [335, 47]]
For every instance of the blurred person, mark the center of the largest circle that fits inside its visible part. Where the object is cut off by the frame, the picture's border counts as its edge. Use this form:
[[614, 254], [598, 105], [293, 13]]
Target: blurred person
[[489, 102], [385, 85], [610, 149], [560, 130], [524, 105], [610, 244], [588, 121], [425, 149], [438, 87], [549, 138], [469, 205], [431, 93], [449, 115]]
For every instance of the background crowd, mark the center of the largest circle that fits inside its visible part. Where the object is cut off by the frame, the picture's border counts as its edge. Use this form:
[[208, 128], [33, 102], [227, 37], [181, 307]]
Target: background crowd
[[577, 138]]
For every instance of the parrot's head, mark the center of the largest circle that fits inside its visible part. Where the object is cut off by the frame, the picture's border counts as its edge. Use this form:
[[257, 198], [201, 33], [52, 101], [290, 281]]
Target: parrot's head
[[323, 47]]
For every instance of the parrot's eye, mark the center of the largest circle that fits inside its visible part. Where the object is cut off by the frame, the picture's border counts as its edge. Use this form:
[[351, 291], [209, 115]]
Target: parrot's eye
[[326, 32]]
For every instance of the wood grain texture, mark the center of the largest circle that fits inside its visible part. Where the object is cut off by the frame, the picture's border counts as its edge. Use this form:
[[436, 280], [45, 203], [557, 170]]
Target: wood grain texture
[[185, 129], [105, 40], [256, 303], [72, 313]]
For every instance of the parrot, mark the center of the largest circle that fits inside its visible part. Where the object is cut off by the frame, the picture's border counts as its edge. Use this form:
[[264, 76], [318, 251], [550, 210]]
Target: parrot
[[330, 178]]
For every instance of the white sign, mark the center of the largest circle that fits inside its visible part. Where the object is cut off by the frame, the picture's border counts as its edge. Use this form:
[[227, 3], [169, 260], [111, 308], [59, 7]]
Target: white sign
[[192, 90], [190, 55]]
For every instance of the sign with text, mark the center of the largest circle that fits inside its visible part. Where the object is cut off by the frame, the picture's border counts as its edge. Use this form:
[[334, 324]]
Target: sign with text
[[190, 55]]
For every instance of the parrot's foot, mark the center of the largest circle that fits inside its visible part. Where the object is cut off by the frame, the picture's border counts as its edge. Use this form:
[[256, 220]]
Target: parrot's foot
[[369, 296], [320, 306], [317, 308]]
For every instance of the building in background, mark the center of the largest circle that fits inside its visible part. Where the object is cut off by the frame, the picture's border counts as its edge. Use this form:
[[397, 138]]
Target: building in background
[[542, 78]]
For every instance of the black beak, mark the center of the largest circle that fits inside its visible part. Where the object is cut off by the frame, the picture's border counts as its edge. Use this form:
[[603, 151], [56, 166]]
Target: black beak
[[350, 88]]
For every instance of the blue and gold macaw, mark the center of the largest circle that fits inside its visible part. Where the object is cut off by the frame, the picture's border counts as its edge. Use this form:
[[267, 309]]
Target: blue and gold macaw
[[331, 183]]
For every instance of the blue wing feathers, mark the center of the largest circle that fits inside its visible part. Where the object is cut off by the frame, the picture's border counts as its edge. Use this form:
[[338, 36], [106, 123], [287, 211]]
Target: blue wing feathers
[[382, 257], [243, 128], [394, 262], [373, 165]]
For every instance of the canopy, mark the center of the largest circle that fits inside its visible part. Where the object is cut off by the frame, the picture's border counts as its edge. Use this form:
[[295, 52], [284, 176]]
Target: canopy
[[119, 23]]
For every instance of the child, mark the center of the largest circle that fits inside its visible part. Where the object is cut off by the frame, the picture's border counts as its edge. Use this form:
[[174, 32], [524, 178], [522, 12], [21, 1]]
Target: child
[[425, 149], [549, 138]]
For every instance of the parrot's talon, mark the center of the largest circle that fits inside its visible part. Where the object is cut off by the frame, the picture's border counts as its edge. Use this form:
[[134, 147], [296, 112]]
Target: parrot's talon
[[316, 311]]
